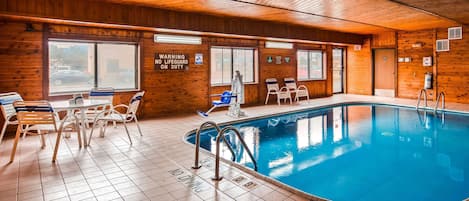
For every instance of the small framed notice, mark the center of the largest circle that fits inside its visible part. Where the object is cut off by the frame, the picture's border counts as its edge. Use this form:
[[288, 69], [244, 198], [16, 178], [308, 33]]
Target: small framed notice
[[199, 59], [171, 61]]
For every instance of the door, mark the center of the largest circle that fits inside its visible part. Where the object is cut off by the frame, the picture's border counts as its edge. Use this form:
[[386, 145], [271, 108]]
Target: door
[[384, 61], [338, 70]]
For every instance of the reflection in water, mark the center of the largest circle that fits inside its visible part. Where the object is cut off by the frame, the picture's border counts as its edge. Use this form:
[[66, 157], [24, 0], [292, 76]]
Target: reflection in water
[[367, 152]]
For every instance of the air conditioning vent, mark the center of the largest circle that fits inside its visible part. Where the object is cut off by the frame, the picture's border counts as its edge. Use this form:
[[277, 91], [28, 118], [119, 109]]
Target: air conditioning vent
[[455, 33], [442, 45]]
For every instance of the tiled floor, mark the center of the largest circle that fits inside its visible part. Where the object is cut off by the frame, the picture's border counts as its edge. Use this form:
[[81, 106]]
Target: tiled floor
[[155, 167]]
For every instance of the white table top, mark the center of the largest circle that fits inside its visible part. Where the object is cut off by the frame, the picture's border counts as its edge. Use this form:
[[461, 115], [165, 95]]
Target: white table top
[[87, 103]]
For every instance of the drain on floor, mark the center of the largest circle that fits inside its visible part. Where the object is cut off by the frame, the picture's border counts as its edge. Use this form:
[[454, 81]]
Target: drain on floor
[[239, 179], [250, 185]]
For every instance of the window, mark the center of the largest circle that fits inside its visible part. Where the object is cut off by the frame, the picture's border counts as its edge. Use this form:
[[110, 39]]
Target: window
[[310, 65], [225, 61], [80, 66]]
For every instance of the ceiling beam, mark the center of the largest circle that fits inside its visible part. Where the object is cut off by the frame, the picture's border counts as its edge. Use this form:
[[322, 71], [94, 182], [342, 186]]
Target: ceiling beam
[[425, 11], [318, 15]]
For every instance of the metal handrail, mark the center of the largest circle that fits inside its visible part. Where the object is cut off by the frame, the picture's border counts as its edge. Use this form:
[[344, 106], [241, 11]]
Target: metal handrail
[[424, 92], [442, 96], [203, 126], [217, 152]]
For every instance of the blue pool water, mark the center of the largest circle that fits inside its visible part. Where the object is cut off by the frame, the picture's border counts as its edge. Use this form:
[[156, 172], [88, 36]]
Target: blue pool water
[[360, 152]]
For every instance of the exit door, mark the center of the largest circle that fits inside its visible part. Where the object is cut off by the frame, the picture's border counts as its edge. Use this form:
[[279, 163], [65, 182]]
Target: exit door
[[384, 61], [338, 70]]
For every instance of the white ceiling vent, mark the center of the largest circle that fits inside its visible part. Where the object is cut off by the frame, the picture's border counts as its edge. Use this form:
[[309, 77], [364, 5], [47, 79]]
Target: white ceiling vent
[[442, 45], [455, 33]]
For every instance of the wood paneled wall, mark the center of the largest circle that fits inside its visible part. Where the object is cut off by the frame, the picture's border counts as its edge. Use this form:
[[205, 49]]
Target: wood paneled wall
[[453, 68], [359, 69], [167, 92], [410, 75], [450, 69], [384, 40], [21, 60]]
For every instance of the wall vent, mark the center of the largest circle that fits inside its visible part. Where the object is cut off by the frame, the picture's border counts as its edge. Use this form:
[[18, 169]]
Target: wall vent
[[455, 33], [442, 45]]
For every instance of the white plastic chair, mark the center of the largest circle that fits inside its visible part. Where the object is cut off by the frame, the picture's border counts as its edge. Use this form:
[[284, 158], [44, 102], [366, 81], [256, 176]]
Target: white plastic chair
[[39, 116], [112, 115], [300, 91], [99, 94], [273, 89], [8, 111]]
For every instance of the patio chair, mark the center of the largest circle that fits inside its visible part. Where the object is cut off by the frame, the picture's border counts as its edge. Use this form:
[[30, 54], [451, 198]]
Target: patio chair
[[8, 111], [113, 115], [40, 116], [300, 91], [273, 89], [99, 94]]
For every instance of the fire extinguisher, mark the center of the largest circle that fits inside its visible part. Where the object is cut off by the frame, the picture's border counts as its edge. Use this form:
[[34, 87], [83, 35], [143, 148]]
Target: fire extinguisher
[[428, 80]]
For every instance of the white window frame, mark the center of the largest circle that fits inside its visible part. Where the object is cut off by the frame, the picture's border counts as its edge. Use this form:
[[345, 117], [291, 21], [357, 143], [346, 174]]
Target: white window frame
[[323, 62], [255, 65], [96, 42]]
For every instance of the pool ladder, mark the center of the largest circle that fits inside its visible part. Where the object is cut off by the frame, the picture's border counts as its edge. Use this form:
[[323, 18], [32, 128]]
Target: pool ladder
[[441, 96], [424, 92], [220, 137]]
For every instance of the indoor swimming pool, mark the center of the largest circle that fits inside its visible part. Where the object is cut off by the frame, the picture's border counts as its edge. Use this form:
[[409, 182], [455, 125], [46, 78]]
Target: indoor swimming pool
[[358, 152]]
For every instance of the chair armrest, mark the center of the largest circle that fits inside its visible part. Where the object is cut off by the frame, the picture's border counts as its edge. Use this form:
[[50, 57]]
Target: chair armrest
[[120, 105], [284, 89], [302, 87]]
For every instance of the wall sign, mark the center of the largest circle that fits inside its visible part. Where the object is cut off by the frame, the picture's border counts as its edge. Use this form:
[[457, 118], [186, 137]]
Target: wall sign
[[171, 61], [269, 59], [278, 59], [199, 58], [287, 59]]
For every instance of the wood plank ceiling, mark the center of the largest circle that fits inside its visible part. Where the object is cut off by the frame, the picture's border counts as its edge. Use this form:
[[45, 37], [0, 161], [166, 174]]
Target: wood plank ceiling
[[358, 16]]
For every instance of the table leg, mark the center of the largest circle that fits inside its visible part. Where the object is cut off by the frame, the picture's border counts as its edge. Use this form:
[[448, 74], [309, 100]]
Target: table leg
[[69, 112], [82, 125]]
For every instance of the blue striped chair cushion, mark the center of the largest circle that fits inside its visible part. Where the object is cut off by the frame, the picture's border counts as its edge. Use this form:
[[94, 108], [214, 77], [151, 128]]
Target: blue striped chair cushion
[[102, 93], [271, 82], [289, 81], [8, 100], [136, 98], [31, 108]]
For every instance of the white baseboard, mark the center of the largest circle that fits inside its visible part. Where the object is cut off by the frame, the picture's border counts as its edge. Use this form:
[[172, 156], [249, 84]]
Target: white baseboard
[[384, 92]]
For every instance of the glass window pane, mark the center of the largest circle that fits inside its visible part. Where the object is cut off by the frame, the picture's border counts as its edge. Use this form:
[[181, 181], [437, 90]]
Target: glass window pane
[[315, 65], [227, 66], [243, 61], [71, 67], [116, 66], [238, 61], [248, 75], [216, 66], [302, 70], [225, 61]]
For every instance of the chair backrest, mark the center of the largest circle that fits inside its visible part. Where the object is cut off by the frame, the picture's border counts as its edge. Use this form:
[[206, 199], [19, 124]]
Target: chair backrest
[[135, 102], [225, 97], [290, 83], [6, 103], [34, 112], [102, 94], [272, 84]]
